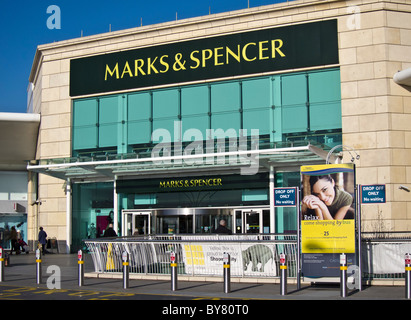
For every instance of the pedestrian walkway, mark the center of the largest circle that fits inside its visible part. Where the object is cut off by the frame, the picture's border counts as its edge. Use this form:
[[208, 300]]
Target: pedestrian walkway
[[22, 273]]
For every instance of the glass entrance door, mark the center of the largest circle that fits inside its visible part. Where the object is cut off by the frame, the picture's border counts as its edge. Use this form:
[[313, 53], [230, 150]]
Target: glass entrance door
[[136, 223], [141, 223], [252, 221]]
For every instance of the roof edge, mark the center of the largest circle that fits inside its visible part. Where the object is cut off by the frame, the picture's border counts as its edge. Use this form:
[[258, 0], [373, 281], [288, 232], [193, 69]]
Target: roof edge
[[22, 117]]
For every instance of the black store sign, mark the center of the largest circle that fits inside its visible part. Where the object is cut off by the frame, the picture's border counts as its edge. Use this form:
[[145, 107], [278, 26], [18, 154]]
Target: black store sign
[[291, 47], [188, 184]]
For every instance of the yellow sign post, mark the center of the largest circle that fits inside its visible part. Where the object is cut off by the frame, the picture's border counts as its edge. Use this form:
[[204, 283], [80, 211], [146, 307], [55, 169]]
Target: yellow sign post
[[328, 215]]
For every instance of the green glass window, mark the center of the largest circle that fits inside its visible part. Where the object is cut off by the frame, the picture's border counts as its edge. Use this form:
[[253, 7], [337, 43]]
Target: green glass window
[[85, 120], [145, 199], [284, 107], [108, 121], [325, 100], [195, 107], [257, 104], [166, 105], [226, 107], [254, 195], [139, 118], [294, 103], [195, 100], [225, 97], [257, 93]]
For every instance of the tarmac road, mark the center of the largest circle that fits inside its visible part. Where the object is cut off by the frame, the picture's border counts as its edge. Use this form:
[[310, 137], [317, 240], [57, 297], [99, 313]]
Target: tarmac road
[[60, 282]]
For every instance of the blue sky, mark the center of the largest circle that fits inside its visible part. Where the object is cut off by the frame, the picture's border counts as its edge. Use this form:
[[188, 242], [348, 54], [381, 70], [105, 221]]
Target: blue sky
[[23, 26]]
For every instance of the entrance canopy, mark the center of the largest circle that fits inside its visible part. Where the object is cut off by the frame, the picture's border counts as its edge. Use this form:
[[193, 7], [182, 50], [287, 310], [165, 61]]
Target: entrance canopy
[[18, 139], [133, 165]]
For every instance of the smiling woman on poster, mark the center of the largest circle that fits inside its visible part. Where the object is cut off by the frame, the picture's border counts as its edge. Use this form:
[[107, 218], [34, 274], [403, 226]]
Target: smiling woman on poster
[[327, 201]]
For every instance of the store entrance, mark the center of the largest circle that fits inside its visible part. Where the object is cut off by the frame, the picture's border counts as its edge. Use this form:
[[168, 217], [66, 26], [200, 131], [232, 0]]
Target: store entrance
[[252, 221], [174, 224], [198, 220], [136, 223]]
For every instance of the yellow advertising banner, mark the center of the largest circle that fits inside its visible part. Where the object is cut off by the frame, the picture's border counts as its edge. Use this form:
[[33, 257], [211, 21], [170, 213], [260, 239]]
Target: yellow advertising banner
[[328, 236]]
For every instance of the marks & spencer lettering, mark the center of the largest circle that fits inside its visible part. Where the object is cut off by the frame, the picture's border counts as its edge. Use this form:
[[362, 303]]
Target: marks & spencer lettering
[[273, 49]]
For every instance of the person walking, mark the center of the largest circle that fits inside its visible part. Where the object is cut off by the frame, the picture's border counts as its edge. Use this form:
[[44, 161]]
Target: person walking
[[43, 239], [13, 238]]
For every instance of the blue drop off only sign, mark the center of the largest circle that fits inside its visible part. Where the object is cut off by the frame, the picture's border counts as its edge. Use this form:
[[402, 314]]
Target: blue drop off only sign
[[373, 194], [285, 197]]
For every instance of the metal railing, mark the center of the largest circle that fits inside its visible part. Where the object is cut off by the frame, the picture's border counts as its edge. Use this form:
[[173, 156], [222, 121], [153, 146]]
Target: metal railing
[[197, 255], [383, 254], [252, 256]]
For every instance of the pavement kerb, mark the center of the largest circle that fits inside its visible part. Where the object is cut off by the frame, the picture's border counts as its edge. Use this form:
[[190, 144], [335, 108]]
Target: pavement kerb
[[291, 281]]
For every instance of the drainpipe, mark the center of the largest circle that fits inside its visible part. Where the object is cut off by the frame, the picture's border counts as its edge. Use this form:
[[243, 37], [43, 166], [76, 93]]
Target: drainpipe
[[115, 204], [68, 217], [272, 208]]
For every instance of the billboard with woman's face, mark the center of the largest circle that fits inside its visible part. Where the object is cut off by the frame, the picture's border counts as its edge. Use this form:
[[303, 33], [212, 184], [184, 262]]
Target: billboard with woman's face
[[328, 192], [327, 217]]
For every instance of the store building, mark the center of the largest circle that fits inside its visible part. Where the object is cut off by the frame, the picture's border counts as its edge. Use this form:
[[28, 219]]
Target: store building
[[170, 128]]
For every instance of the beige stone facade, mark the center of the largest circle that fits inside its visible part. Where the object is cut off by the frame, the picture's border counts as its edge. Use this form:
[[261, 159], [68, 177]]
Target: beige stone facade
[[374, 43]]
